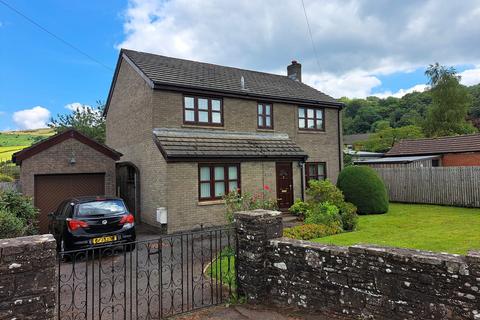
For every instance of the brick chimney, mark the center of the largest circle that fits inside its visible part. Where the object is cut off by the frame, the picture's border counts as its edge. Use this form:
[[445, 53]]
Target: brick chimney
[[294, 71]]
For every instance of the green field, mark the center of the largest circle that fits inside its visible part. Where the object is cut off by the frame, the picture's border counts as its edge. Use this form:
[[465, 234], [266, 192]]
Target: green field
[[13, 141], [425, 227]]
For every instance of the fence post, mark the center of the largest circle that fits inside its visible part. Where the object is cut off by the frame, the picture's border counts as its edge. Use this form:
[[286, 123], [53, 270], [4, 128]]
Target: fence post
[[254, 229]]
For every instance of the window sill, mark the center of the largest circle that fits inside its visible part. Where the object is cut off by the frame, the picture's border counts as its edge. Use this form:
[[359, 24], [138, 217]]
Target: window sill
[[193, 126], [266, 129], [211, 202], [311, 131]]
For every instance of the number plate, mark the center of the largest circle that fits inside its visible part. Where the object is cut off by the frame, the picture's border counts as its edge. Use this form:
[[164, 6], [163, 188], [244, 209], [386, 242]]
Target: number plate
[[105, 239]]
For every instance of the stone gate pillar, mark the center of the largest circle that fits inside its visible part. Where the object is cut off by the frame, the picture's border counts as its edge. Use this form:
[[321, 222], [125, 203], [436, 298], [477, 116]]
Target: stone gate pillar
[[254, 229], [27, 278]]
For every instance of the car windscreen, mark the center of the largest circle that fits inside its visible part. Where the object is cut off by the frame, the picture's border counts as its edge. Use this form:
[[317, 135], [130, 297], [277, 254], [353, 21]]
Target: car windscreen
[[100, 208]]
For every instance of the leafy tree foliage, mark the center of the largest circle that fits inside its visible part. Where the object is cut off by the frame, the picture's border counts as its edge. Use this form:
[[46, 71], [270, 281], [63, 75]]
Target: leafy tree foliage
[[385, 138], [373, 113], [89, 121], [450, 104]]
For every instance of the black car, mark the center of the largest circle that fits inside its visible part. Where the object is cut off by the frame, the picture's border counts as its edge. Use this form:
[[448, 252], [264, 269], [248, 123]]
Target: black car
[[92, 221]]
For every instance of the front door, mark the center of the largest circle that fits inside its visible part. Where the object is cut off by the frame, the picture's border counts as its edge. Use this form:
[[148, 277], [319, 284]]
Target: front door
[[284, 185]]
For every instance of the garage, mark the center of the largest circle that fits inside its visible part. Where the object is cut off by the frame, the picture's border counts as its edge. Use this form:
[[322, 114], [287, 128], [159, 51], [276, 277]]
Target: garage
[[63, 166], [51, 190]]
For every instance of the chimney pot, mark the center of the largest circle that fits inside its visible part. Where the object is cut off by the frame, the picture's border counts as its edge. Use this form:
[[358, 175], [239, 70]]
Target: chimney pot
[[294, 71]]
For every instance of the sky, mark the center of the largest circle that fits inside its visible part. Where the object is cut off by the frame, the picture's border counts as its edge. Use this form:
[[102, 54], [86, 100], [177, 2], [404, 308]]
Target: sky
[[356, 48]]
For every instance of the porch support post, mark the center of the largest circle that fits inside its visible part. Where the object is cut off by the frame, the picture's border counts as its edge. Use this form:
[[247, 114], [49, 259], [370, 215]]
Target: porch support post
[[254, 230]]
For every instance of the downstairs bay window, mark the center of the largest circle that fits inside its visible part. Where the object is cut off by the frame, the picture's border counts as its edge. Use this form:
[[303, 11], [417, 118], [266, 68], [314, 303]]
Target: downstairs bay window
[[216, 180]]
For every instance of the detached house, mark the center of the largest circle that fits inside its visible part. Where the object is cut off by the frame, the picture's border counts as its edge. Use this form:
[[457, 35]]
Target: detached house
[[190, 132]]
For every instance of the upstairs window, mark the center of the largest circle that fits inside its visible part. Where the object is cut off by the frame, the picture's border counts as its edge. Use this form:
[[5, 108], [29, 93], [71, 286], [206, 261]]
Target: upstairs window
[[216, 180], [315, 171], [264, 116], [311, 118], [202, 111]]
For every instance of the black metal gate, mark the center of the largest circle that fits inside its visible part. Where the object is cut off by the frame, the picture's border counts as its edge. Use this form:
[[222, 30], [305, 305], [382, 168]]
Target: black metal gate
[[151, 279]]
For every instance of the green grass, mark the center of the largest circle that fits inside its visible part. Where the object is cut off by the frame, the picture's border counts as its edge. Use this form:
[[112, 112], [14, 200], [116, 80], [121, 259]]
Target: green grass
[[23, 138], [13, 141], [425, 227], [223, 265]]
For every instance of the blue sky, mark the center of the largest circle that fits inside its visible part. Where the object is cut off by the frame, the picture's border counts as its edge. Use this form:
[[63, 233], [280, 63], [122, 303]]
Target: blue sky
[[368, 49]]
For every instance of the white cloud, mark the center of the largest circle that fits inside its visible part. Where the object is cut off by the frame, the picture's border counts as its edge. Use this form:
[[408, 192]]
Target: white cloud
[[33, 118], [356, 40], [353, 85], [400, 93], [77, 106], [471, 76]]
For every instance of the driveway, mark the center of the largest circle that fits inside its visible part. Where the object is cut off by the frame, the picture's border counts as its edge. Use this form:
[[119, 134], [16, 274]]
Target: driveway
[[249, 312], [162, 276]]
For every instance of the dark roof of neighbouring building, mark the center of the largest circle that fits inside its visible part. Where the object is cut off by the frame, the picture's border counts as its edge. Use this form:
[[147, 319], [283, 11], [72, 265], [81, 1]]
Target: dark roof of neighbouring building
[[353, 138], [455, 144], [169, 71], [40, 146], [191, 145]]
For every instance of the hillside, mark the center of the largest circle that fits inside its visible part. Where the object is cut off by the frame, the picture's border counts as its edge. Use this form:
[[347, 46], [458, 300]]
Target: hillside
[[365, 115], [13, 141]]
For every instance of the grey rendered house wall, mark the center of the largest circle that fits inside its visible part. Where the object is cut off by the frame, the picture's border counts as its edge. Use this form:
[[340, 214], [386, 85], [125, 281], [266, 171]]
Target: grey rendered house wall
[[135, 109]]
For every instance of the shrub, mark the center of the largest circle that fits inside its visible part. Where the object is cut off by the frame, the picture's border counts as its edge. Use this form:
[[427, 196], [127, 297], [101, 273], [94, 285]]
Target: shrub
[[262, 199], [324, 190], [5, 178], [22, 208], [299, 208], [10, 225], [323, 213], [311, 231], [363, 187], [348, 213]]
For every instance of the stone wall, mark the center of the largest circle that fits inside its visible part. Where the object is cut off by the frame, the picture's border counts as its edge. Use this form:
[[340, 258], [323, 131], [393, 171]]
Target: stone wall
[[358, 282], [27, 278]]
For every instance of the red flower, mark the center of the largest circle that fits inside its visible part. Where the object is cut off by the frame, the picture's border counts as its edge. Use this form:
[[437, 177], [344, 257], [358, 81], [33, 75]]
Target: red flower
[[266, 188]]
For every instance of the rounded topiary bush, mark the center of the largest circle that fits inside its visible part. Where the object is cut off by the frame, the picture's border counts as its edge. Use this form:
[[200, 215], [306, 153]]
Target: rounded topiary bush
[[364, 188]]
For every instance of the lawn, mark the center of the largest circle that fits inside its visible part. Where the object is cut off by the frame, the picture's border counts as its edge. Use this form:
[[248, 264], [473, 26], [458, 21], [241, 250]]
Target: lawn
[[426, 227]]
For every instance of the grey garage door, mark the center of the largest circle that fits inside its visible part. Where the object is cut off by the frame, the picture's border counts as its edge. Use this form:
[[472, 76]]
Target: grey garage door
[[51, 190]]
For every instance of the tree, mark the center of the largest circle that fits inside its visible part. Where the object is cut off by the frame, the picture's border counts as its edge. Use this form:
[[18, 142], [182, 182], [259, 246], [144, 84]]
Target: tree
[[450, 104], [87, 120], [384, 139]]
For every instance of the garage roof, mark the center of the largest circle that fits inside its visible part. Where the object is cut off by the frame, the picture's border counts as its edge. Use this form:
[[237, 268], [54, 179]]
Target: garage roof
[[191, 145], [38, 147]]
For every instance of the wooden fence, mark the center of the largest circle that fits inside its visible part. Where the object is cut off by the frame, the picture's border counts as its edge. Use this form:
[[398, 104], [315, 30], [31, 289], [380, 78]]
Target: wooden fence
[[455, 186]]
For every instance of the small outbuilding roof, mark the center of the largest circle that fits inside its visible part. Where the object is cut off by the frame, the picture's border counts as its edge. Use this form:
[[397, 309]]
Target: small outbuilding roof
[[396, 159], [191, 145], [455, 144], [38, 147]]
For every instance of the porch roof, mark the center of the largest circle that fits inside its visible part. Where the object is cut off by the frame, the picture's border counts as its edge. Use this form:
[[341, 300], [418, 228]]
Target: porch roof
[[195, 144]]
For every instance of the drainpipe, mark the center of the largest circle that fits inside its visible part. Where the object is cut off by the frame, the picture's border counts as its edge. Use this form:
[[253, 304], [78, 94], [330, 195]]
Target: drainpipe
[[301, 164], [340, 145]]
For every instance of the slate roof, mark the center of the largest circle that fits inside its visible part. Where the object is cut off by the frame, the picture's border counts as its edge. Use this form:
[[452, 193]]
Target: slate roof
[[168, 71], [455, 144], [191, 144], [353, 138]]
